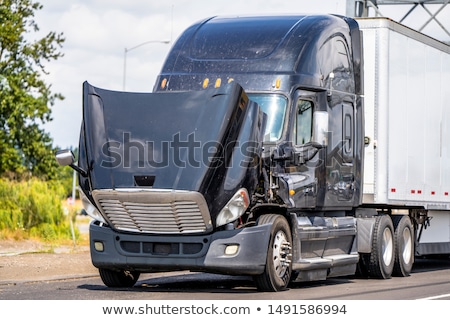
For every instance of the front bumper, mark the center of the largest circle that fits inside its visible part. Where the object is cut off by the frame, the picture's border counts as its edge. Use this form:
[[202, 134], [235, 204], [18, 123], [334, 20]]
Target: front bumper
[[149, 253]]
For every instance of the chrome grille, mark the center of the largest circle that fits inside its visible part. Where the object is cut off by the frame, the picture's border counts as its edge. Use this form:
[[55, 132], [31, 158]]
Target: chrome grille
[[154, 211]]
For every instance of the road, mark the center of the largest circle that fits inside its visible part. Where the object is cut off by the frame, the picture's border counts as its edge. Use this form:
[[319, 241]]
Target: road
[[430, 279]]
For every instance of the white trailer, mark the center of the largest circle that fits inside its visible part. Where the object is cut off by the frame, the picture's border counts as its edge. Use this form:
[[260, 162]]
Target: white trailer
[[407, 128]]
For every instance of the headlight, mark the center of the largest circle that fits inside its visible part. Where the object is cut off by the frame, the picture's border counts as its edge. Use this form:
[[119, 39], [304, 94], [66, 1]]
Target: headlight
[[91, 210], [234, 208]]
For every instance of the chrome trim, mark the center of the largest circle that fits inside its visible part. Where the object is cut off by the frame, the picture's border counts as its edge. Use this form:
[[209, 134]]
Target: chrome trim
[[154, 211]]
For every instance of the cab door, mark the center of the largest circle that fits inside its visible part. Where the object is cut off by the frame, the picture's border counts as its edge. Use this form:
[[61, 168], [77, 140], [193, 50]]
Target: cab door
[[340, 167], [306, 170]]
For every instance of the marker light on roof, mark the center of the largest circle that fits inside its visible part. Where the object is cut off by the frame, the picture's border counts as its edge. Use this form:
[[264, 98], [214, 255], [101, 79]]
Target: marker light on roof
[[163, 83], [205, 83], [277, 84]]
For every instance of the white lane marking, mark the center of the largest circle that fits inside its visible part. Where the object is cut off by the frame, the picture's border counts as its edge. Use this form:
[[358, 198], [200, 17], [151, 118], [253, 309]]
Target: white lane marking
[[436, 297]]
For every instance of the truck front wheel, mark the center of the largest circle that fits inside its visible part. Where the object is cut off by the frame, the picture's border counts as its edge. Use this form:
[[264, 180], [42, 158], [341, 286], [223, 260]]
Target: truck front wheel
[[277, 273], [118, 279]]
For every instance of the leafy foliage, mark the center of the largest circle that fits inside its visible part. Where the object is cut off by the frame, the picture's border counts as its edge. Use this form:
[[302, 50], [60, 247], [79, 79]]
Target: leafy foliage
[[34, 208], [25, 98], [32, 185]]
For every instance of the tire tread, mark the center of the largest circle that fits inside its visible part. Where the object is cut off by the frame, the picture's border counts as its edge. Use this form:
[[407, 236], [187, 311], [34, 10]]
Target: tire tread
[[263, 281], [374, 267], [118, 279]]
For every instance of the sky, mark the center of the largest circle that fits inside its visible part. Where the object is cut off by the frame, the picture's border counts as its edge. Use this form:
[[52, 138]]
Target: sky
[[98, 31]]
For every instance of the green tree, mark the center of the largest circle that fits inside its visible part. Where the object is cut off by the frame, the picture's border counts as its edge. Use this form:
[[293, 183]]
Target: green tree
[[25, 98]]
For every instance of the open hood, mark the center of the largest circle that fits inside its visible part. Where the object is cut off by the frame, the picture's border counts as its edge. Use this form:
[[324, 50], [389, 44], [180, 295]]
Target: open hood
[[201, 141]]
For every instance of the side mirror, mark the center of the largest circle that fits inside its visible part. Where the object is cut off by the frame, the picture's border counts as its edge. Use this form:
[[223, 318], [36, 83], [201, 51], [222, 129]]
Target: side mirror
[[306, 152], [319, 139], [66, 158], [301, 154], [320, 128], [298, 155]]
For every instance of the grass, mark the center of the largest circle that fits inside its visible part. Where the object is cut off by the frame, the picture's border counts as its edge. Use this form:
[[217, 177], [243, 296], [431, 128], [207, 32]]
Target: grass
[[38, 210]]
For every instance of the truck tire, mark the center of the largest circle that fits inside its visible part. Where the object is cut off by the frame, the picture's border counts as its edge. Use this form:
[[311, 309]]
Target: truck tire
[[404, 245], [277, 273], [382, 258], [118, 279]]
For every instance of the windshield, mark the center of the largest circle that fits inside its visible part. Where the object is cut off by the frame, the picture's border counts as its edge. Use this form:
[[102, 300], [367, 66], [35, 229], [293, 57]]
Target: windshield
[[274, 105]]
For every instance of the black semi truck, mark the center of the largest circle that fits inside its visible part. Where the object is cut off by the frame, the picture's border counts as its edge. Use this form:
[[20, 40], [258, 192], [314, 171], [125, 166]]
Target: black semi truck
[[269, 147]]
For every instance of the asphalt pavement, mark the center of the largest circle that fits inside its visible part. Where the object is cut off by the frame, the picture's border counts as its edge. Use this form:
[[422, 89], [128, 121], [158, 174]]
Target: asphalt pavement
[[32, 260]]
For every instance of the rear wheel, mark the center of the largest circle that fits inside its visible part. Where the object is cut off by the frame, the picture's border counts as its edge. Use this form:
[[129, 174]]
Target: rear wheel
[[118, 279], [381, 259], [277, 273], [404, 245]]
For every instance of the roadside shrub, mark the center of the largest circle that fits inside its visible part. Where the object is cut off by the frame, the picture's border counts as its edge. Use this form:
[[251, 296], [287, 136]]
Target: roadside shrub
[[34, 207]]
